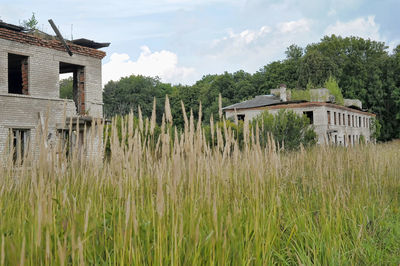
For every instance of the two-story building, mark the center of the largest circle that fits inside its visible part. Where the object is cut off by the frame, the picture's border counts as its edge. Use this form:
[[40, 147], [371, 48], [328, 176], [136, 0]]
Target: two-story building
[[344, 125], [30, 66]]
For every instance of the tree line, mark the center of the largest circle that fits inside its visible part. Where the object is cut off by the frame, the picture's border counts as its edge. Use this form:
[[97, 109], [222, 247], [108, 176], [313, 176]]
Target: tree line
[[364, 69]]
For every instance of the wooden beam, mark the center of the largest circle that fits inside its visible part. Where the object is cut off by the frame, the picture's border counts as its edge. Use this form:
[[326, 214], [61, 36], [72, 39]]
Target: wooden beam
[[60, 37]]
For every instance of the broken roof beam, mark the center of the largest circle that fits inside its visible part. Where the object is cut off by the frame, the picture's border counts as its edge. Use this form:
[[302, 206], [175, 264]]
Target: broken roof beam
[[60, 37]]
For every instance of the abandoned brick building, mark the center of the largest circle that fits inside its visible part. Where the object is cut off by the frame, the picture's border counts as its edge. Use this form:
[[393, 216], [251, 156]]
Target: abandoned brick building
[[30, 66], [342, 125]]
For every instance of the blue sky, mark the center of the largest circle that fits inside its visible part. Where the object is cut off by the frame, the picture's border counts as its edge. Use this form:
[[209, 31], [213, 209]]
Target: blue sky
[[182, 40]]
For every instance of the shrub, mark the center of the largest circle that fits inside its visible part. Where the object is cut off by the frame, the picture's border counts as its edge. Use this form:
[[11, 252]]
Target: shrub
[[288, 129]]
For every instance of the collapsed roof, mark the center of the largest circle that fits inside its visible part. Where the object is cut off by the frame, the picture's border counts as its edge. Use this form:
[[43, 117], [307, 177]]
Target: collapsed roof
[[258, 101], [81, 42]]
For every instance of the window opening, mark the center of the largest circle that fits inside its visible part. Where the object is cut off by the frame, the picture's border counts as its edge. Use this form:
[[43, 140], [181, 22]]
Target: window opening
[[72, 85], [334, 118], [329, 117], [19, 143], [17, 74], [310, 116]]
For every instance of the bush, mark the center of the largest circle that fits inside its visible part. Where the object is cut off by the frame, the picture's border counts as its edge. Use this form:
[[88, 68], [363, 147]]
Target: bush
[[287, 128], [333, 87]]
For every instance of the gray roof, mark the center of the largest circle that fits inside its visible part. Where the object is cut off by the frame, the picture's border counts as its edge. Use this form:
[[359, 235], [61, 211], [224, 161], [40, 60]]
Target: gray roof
[[258, 101]]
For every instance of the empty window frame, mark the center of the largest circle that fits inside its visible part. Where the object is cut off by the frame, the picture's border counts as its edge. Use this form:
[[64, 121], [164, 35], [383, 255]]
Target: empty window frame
[[359, 121], [19, 143], [344, 123], [241, 117], [310, 116], [18, 74], [334, 118], [348, 120], [329, 117], [74, 86], [340, 118]]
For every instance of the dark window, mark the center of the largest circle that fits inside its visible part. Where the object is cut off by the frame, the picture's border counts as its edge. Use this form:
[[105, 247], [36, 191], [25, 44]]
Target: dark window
[[359, 121], [19, 143], [334, 118], [340, 118], [17, 74], [73, 86], [343, 120], [329, 117], [310, 116], [241, 117], [65, 140], [348, 120]]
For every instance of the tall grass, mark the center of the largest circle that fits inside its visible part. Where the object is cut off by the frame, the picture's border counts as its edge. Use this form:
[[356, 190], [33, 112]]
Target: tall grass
[[183, 202]]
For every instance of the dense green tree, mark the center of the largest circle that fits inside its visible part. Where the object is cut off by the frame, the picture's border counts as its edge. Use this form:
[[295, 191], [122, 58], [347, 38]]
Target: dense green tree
[[120, 97], [66, 88], [294, 52], [362, 69]]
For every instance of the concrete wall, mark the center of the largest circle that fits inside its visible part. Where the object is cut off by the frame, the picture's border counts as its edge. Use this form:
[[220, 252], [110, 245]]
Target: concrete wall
[[326, 132], [22, 111]]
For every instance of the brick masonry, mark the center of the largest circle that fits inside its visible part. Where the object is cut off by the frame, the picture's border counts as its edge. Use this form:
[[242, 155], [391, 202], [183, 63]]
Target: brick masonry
[[41, 85], [52, 44]]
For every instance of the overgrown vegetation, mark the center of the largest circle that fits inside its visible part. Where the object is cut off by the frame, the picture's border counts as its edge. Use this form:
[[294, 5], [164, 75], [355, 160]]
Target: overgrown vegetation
[[31, 23], [289, 130], [334, 90], [363, 69], [184, 202]]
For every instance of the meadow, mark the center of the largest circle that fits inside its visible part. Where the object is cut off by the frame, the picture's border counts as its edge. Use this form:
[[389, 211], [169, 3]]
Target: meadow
[[176, 200]]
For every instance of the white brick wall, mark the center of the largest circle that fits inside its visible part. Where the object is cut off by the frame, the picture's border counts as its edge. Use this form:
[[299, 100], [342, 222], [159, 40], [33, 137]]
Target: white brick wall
[[20, 111]]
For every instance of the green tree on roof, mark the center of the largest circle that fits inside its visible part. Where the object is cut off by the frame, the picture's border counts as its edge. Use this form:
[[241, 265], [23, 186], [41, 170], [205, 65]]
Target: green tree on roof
[[31, 23]]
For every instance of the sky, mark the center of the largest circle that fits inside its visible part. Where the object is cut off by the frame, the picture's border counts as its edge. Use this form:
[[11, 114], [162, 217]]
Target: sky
[[179, 41]]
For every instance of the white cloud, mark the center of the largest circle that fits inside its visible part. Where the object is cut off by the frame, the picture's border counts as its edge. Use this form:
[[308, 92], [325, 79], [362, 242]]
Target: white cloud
[[364, 27], [360, 27], [250, 49], [163, 64], [301, 25], [243, 38]]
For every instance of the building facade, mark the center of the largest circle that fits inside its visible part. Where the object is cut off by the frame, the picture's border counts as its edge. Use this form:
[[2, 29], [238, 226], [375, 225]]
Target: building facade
[[30, 68], [333, 123]]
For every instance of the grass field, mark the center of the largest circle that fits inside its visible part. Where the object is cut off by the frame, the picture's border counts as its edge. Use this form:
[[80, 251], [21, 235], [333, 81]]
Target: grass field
[[184, 203]]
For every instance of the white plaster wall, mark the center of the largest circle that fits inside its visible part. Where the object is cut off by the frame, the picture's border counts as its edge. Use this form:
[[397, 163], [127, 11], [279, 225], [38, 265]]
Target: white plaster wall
[[320, 123]]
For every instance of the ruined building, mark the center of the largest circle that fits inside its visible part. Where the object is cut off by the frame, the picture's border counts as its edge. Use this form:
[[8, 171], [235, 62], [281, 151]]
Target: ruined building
[[344, 125], [30, 66]]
